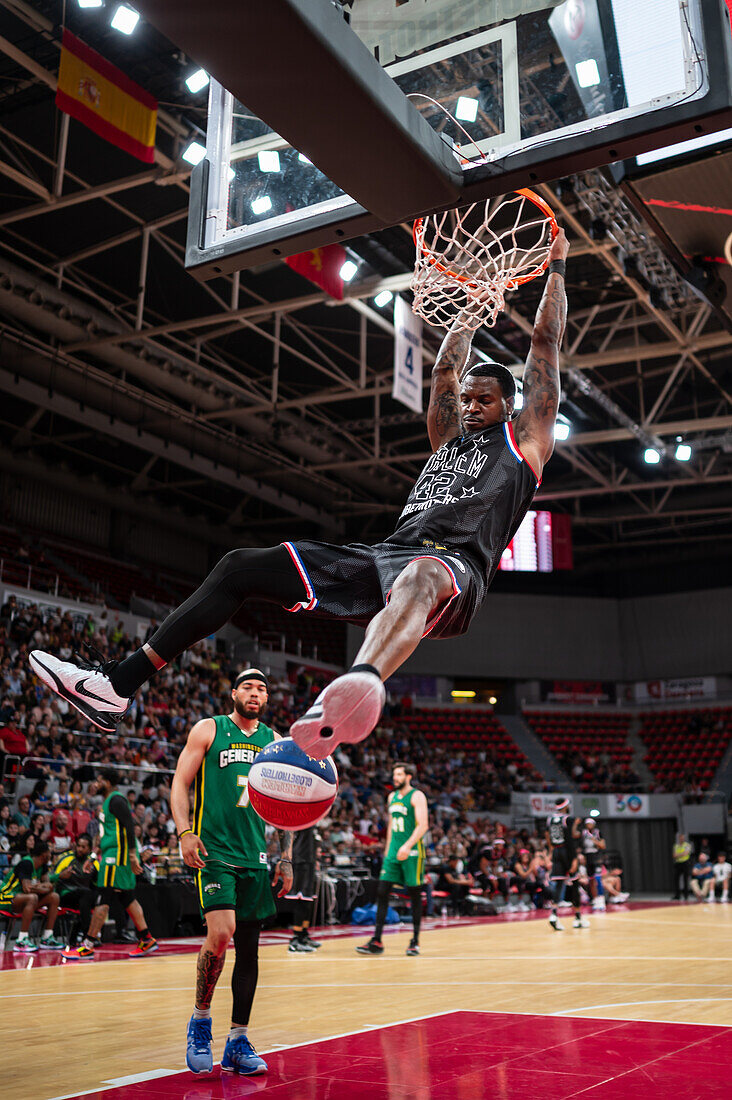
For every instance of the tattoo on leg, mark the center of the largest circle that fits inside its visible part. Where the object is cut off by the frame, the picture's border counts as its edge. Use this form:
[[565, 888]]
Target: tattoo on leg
[[208, 972]]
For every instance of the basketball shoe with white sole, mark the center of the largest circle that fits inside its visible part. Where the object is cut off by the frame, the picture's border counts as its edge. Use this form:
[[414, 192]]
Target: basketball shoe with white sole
[[345, 712], [86, 686]]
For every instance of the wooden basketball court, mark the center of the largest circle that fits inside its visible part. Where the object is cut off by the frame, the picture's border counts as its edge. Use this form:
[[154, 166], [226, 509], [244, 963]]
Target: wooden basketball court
[[444, 1017]]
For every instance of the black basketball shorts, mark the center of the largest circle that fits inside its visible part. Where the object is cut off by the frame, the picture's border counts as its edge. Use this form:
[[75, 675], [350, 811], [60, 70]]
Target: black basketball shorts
[[304, 886], [354, 582], [563, 861]]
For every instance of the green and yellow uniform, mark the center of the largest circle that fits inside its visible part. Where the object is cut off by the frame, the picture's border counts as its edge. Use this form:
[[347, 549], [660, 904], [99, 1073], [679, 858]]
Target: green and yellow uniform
[[236, 875], [12, 884], [409, 871], [78, 877], [114, 849]]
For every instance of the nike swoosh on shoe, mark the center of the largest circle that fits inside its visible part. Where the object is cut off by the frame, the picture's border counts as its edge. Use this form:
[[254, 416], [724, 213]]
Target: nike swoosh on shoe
[[81, 690]]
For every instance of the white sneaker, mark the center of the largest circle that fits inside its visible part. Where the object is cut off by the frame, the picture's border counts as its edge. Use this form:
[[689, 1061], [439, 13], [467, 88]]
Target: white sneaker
[[554, 922], [345, 711], [598, 904], [623, 898], [580, 922], [710, 899], [88, 688]]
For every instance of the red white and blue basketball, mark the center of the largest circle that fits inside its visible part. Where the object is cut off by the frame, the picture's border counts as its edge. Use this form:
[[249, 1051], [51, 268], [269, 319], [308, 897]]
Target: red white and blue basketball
[[289, 789]]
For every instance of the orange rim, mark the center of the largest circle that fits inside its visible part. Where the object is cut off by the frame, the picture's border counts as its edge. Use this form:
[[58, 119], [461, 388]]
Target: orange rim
[[538, 201]]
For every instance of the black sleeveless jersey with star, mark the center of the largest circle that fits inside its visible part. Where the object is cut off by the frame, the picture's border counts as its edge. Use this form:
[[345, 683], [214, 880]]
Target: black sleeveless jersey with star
[[471, 497]]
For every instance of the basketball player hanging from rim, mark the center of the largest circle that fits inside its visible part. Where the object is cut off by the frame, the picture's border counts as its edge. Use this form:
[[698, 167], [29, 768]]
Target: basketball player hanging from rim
[[429, 577]]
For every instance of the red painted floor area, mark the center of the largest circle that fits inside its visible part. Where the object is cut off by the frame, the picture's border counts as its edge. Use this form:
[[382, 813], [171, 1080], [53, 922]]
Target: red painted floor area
[[272, 937], [476, 1055]]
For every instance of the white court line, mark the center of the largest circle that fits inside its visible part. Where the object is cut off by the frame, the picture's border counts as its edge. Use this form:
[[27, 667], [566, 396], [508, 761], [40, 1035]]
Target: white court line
[[387, 985], [152, 1074], [633, 1004], [134, 1078]]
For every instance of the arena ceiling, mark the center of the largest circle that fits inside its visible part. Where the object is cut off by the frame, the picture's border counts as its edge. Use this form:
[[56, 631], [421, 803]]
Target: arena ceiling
[[262, 408]]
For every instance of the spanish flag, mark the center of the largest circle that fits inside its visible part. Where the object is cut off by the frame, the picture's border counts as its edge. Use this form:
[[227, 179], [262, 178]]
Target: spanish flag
[[322, 266], [98, 94]]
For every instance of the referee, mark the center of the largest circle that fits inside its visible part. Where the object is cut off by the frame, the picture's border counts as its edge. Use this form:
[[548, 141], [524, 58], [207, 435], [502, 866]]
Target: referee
[[304, 890]]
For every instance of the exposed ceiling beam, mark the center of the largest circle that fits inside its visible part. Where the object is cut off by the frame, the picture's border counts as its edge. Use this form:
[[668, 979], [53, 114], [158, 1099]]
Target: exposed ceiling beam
[[172, 452]]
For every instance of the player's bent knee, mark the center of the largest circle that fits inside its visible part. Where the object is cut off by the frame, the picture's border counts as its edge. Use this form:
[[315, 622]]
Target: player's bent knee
[[423, 582]]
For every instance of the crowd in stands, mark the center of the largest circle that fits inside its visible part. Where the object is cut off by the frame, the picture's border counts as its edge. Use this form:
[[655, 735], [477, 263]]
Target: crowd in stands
[[53, 755]]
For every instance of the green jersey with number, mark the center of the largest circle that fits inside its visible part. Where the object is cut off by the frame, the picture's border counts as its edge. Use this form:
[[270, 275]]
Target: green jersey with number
[[403, 822], [232, 832], [114, 850]]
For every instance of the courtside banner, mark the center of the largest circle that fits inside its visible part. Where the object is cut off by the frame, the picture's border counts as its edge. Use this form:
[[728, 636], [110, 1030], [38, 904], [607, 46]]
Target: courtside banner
[[101, 96], [407, 385]]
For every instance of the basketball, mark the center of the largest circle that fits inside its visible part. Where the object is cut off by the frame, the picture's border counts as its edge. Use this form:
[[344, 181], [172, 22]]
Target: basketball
[[289, 789]]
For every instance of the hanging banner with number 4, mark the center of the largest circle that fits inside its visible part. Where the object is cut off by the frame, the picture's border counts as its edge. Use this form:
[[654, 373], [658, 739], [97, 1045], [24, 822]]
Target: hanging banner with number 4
[[407, 386]]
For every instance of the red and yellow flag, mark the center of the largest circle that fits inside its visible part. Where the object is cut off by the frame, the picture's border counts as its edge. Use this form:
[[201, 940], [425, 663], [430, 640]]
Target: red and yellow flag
[[98, 94], [322, 266]]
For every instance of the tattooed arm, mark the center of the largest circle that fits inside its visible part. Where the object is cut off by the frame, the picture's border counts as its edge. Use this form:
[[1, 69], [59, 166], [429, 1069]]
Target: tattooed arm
[[534, 427], [283, 870], [443, 413]]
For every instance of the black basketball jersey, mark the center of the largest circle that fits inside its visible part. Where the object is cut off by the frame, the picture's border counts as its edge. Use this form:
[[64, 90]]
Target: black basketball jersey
[[471, 496], [559, 830]]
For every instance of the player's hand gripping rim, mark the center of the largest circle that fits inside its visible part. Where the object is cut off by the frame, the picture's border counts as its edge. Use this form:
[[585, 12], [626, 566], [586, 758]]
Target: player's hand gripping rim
[[190, 846], [283, 873]]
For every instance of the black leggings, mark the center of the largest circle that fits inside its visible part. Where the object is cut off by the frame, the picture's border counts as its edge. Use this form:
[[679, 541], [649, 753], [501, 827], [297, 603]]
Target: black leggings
[[266, 574], [246, 970], [382, 904]]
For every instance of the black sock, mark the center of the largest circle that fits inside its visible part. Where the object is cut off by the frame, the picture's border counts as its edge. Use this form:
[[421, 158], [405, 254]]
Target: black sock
[[365, 668], [382, 904], [266, 574], [145, 934], [246, 970], [129, 674], [415, 894]]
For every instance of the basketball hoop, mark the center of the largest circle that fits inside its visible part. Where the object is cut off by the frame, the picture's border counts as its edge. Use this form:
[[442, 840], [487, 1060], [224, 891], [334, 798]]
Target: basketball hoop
[[468, 260]]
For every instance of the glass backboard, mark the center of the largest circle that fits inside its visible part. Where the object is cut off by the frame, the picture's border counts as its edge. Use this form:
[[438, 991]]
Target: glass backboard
[[510, 85]]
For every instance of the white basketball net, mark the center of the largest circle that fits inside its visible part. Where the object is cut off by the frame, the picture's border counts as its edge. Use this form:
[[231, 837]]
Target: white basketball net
[[465, 265]]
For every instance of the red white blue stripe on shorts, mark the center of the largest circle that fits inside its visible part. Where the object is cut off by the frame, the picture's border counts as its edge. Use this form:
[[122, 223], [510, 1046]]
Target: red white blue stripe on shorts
[[311, 600]]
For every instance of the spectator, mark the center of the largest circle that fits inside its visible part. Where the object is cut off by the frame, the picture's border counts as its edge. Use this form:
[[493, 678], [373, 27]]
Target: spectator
[[454, 882], [722, 872], [22, 814], [60, 837], [702, 878]]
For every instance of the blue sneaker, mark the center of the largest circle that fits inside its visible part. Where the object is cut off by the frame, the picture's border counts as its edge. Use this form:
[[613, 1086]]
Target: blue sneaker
[[241, 1057], [199, 1058]]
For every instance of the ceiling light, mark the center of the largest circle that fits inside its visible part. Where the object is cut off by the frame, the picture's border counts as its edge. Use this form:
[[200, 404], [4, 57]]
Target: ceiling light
[[125, 19], [197, 81], [651, 456], [588, 74], [269, 160], [463, 694], [90, 3], [683, 452], [195, 153], [467, 109], [594, 813], [383, 299], [492, 700], [561, 430], [261, 205], [348, 270]]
